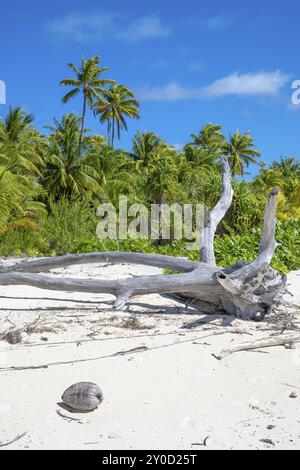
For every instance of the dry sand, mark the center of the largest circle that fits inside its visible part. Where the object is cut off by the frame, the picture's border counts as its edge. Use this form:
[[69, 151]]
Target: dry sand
[[170, 393]]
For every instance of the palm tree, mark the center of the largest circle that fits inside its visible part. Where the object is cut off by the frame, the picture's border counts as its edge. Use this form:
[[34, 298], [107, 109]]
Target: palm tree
[[268, 179], [18, 205], [210, 134], [207, 146], [16, 123], [20, 144], [20, 160], [288, 167], [117, 102], [144, 144], [87, 81], [240, 151], [67, 174]]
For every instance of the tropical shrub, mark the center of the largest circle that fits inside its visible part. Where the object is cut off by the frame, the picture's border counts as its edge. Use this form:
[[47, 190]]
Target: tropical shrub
[[67, 223], [231, 248]]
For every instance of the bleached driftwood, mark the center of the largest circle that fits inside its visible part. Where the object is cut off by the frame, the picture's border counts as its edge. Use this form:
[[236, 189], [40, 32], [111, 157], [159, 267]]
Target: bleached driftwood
[[247, 290], [260, 343], [214, 217]]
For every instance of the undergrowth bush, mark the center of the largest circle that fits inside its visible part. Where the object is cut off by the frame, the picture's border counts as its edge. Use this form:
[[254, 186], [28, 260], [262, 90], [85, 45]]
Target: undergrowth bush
[[71, 228], [229, 249], [68, 224]]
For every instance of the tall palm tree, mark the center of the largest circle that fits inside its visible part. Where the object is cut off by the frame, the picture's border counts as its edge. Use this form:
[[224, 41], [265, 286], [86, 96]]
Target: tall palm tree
[[240, 151], [67, 174], [117, 102], [87, 81], [210, 134]]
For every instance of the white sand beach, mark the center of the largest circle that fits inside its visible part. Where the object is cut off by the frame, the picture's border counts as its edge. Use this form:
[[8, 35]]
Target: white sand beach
[[162, 386]]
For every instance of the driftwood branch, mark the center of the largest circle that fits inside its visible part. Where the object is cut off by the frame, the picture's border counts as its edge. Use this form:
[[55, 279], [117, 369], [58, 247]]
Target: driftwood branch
[[268, 242], [115, 257], [213, 218], [260, 343], [140, 285]]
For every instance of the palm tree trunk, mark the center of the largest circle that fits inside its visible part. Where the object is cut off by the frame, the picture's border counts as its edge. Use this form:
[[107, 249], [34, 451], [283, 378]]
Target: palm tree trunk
[[108, 131], [113, 132], [82, 120]]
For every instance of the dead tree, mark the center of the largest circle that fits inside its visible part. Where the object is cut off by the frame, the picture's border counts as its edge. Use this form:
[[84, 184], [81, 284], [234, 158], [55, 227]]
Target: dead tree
[[248, 290]]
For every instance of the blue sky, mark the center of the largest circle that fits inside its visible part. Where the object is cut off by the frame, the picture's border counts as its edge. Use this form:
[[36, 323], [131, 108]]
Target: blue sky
[[189, 63]]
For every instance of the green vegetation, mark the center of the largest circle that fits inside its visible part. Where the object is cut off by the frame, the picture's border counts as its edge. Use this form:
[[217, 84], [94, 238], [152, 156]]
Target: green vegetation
[[51, 183], [118, 101]]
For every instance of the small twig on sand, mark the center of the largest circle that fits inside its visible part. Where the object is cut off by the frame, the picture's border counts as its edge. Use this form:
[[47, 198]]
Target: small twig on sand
[[292, 386], [134, 350], [280, 340], [267, 441], [204, 443], [288, 322], [68, 418], [14, 440]]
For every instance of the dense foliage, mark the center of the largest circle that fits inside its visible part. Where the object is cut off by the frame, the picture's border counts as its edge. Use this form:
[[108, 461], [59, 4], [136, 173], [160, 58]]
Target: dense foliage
[[51, 183]]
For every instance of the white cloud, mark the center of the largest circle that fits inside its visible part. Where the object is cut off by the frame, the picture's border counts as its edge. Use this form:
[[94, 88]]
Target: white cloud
[[160, 64], [178, 147], [96, 27], [217, 22], [263, 83], [293, 107], [211, 23], [2, 92], [196, 65], [145, 27], [171, 92], [251, 84], [247, 113], [82, 28]]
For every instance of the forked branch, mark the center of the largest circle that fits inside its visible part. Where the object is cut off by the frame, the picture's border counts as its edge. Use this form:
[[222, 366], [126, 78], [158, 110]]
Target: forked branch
[[268, 242], [213, 218]]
